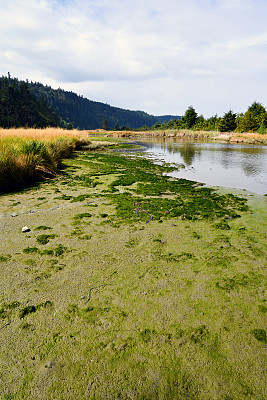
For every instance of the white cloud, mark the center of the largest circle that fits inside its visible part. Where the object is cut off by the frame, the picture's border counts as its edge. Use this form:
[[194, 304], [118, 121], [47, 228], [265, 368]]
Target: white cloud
[[157, 55], [247, 42]]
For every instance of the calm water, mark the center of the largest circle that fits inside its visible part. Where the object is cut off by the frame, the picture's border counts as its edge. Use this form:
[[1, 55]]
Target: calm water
[[215, 164]]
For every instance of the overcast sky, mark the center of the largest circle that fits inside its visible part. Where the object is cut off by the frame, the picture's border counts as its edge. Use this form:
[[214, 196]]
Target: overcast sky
[[159, 56]]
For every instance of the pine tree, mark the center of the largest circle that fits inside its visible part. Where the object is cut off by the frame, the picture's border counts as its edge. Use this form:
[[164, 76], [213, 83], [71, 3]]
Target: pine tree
[[190, 117], [228, 122], [105, 125]]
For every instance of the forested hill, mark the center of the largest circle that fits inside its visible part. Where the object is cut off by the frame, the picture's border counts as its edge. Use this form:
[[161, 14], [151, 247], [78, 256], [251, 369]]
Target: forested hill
[[87, 114], [19, 107]]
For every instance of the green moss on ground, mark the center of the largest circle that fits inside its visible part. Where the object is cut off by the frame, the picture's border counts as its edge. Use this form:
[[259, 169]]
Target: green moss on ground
[[151, 287]]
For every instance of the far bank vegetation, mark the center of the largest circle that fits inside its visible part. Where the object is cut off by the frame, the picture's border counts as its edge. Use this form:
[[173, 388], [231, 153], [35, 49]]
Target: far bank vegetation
[[254, 120]]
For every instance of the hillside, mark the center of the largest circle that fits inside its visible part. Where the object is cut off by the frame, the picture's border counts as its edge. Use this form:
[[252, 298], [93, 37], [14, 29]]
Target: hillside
[[87, 114], [19, 107], [59, 107]]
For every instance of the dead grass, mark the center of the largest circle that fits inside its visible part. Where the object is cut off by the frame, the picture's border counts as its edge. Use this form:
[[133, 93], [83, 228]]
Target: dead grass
[[249, 138], [27, 155], [185, 133], [48, 134]]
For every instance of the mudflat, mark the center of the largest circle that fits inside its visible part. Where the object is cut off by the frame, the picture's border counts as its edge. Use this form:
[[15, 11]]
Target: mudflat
[[131, 285]]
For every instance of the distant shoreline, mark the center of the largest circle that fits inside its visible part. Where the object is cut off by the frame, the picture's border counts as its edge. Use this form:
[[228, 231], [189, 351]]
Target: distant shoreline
[[231, 137]]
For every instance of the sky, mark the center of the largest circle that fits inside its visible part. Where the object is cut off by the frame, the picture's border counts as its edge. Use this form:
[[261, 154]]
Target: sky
[[158, 56]]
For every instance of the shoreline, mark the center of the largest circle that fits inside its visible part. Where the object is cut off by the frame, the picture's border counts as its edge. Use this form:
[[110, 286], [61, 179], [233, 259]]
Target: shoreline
[[232, 137]]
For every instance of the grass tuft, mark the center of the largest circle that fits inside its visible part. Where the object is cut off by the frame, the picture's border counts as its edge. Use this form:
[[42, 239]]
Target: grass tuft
[[27, 155]]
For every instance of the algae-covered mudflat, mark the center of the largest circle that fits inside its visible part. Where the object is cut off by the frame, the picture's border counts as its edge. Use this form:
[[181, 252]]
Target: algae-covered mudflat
[[131, 285]]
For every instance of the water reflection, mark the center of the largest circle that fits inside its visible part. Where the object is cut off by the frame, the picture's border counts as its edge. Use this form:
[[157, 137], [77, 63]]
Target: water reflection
[[187, 152], [223, 164], [250, 169]]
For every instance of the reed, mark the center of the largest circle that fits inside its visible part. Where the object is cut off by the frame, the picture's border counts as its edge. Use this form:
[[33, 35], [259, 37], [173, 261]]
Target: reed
[[27, 155]]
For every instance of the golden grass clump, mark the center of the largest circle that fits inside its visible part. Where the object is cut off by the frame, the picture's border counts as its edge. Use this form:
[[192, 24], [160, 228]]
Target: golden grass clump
[[26, 154], [47, 134]]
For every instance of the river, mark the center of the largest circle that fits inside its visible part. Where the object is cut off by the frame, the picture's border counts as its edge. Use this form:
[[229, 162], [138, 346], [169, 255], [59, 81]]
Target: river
[[239, 166]]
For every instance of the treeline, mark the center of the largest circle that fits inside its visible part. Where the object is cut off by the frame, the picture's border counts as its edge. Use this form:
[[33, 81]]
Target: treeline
[[36, 105], [253, 120], [19, 107]]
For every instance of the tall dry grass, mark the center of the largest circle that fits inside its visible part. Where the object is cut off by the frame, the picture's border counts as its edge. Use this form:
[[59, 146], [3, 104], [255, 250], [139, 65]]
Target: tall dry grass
[[29, 154], [47, 134], [249, 137], [235, 137]]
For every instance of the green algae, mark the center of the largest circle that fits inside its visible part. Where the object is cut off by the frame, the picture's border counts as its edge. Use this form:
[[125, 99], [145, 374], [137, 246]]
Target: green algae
[[32, 308], [30, 250], [27, 310], [42, 228], [159, 196], [80, 197], [44, 239], [164, 310], [82, 215], [260, 335], [4, 258], [238, 281]]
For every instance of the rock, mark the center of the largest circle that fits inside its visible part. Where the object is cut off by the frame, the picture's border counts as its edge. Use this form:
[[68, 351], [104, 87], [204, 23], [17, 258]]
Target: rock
[[49, 364], [25, 229]]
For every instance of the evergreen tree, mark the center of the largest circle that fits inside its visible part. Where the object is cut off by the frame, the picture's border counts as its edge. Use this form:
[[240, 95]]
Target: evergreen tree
[[105, 125], [213, 123], [228, 122], [256, 108], [248, 122], [190, 117], [260, 115]]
